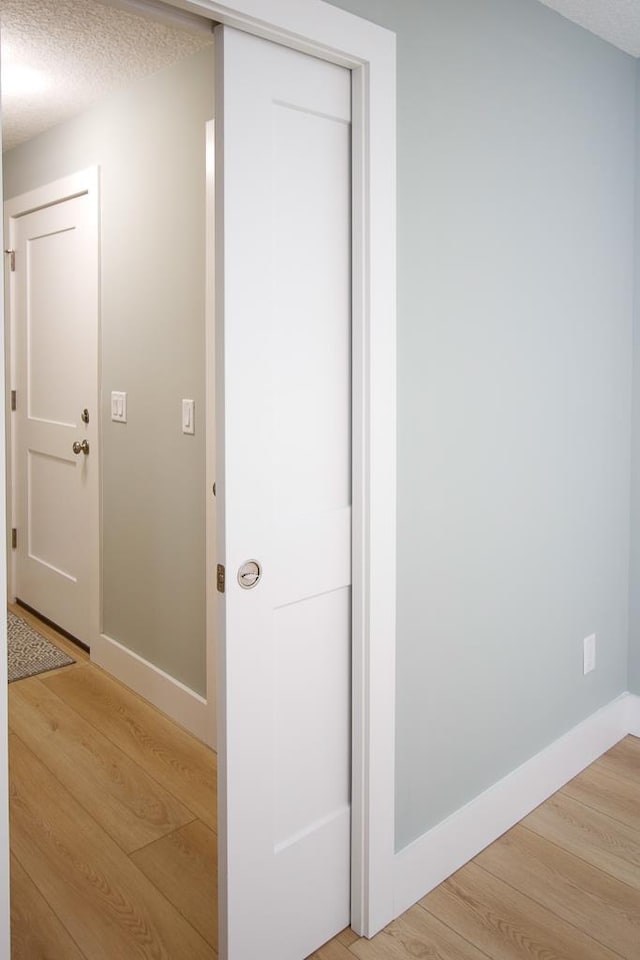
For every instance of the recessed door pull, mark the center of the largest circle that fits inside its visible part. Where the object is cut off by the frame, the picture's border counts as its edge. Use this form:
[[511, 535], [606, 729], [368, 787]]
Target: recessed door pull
[[249, 574]]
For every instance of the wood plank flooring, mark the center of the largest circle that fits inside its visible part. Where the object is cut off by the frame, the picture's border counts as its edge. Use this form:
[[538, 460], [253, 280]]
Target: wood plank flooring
[[113, 817], [564, 884], [113, 842]]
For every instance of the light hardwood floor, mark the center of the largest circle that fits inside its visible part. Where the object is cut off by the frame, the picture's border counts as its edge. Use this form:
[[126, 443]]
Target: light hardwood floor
[[113, 819], [113, 842]]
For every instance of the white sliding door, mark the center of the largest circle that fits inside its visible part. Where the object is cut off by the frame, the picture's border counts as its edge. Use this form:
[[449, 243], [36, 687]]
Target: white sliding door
[[284, 489]]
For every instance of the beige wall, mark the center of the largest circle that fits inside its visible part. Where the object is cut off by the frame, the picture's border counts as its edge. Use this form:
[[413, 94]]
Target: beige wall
[[149, 142]]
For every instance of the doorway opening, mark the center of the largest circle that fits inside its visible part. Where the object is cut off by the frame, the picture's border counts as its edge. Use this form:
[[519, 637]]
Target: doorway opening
[[147, 144], [370, 53], [137, 543]]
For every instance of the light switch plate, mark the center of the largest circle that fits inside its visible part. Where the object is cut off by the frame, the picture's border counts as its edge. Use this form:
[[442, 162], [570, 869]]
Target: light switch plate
[[589, 660], [188, 416], [118, 406]]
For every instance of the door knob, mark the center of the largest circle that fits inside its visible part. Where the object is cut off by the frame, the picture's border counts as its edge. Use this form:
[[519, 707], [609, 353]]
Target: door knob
[[81, 447]]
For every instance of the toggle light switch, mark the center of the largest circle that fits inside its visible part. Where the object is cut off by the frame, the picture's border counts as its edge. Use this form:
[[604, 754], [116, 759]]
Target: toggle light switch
[[118, 406], [188, 416]]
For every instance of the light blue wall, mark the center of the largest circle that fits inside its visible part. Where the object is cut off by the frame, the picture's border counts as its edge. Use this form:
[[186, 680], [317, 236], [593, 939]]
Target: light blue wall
[[515, 268]]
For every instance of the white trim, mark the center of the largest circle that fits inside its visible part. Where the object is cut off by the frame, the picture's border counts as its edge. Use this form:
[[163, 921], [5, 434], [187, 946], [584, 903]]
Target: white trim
[[75, 185], [84, 182], [633, 715], [314, 27], [211, 737], [369, 50], [177, 701], [448, 846]]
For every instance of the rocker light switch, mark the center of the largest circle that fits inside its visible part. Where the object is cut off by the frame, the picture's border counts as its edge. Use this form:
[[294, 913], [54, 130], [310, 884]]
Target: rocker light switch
[[188, 416], [118, 406]]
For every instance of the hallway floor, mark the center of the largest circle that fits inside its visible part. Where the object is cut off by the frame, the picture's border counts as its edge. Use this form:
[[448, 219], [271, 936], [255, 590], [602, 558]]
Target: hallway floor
[[113, 820], [113, 843]]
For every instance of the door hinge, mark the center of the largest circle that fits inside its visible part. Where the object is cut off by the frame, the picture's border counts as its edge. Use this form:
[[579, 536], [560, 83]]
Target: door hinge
[[14, 400], [12, 254], [220, 578], [14, 538]]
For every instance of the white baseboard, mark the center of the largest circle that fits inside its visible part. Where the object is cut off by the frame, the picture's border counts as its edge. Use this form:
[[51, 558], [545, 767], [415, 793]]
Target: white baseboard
[[633, 715], [166, 693], [432, 858]]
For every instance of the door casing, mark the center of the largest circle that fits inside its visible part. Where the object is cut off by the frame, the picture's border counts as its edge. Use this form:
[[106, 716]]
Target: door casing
[[321, 30]]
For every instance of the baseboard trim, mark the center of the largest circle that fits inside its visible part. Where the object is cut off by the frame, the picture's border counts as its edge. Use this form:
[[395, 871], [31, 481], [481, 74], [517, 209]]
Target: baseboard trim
[[181, 704], [432, 858], [633, 715]]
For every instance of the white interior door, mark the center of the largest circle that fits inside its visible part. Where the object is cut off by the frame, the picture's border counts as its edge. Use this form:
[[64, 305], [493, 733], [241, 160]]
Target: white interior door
[[284, 388], [55, 326]]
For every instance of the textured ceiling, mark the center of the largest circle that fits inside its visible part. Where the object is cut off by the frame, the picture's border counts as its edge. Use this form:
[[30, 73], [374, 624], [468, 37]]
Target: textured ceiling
[[617, 21], [84, 50]]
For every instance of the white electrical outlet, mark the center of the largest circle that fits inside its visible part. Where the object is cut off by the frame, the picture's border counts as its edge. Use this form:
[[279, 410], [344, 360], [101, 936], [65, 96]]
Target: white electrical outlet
[[589, 661]]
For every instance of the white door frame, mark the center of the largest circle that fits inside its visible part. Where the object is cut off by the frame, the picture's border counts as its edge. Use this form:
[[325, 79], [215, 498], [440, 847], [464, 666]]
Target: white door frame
[[369, 51], [321, 30], [83, 183], [211, 731]]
